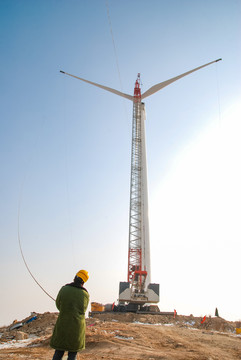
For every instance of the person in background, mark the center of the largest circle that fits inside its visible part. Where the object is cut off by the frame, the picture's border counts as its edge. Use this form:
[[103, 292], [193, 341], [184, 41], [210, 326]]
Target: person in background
[[69, 331]]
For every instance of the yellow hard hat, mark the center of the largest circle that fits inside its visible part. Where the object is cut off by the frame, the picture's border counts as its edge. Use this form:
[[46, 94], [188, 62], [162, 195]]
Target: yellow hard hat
[[83, 274]]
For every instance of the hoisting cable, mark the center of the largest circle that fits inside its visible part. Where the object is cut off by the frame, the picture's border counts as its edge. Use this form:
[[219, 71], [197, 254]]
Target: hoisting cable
[[116, 57], [27, 267], [113, 41]]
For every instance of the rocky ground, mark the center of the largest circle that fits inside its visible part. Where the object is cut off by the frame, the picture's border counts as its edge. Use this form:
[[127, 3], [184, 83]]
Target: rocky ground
[[130, 336]]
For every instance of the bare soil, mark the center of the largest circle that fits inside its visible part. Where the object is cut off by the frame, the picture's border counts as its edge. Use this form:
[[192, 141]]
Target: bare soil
[[134, 337]]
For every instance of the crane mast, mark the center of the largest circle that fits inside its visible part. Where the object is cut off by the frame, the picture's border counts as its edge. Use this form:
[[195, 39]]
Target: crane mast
[[138, 226], [136, 290]]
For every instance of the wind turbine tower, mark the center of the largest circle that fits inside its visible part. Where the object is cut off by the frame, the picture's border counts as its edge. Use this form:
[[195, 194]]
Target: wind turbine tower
[[138, 289]]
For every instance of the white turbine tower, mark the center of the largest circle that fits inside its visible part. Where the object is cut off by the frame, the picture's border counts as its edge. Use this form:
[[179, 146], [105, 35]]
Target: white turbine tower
[[138, 289]]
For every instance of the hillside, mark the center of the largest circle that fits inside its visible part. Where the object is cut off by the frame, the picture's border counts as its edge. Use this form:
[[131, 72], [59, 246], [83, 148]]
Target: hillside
[[130, 336]]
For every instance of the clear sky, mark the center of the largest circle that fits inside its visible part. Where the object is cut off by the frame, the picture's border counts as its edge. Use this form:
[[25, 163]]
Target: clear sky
[[65, 150]]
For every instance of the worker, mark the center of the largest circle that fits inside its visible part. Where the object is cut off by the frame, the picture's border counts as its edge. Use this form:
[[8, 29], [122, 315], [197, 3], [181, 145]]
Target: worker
[[69, 331]]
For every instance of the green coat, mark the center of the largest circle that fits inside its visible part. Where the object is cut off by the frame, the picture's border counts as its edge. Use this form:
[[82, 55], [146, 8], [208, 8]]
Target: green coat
[[69, 330]]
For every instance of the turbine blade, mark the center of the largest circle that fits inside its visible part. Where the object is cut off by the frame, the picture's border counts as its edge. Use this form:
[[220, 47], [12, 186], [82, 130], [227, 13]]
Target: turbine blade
[[129, 97], [161, 85]]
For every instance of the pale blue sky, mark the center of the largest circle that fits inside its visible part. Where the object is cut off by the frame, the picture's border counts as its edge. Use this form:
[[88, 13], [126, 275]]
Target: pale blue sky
[[65, 149]]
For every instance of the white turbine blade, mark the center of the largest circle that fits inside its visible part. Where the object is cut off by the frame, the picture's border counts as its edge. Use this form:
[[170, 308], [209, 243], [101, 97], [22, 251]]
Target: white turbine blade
[[161, 85], [129, 97]]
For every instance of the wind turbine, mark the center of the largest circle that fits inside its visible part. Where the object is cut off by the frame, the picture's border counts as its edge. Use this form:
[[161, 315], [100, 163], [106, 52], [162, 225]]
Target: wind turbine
[[138, 290]]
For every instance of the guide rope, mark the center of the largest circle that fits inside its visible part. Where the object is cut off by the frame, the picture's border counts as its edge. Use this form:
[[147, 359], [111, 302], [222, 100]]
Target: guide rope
[[19, 211], [24, 260]]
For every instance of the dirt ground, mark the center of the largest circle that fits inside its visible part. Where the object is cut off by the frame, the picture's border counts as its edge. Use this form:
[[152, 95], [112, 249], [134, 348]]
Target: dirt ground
[[131, 336]]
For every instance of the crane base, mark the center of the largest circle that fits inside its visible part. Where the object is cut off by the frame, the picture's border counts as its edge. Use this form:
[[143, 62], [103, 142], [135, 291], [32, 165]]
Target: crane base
[[150, 295], [136, 308]]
